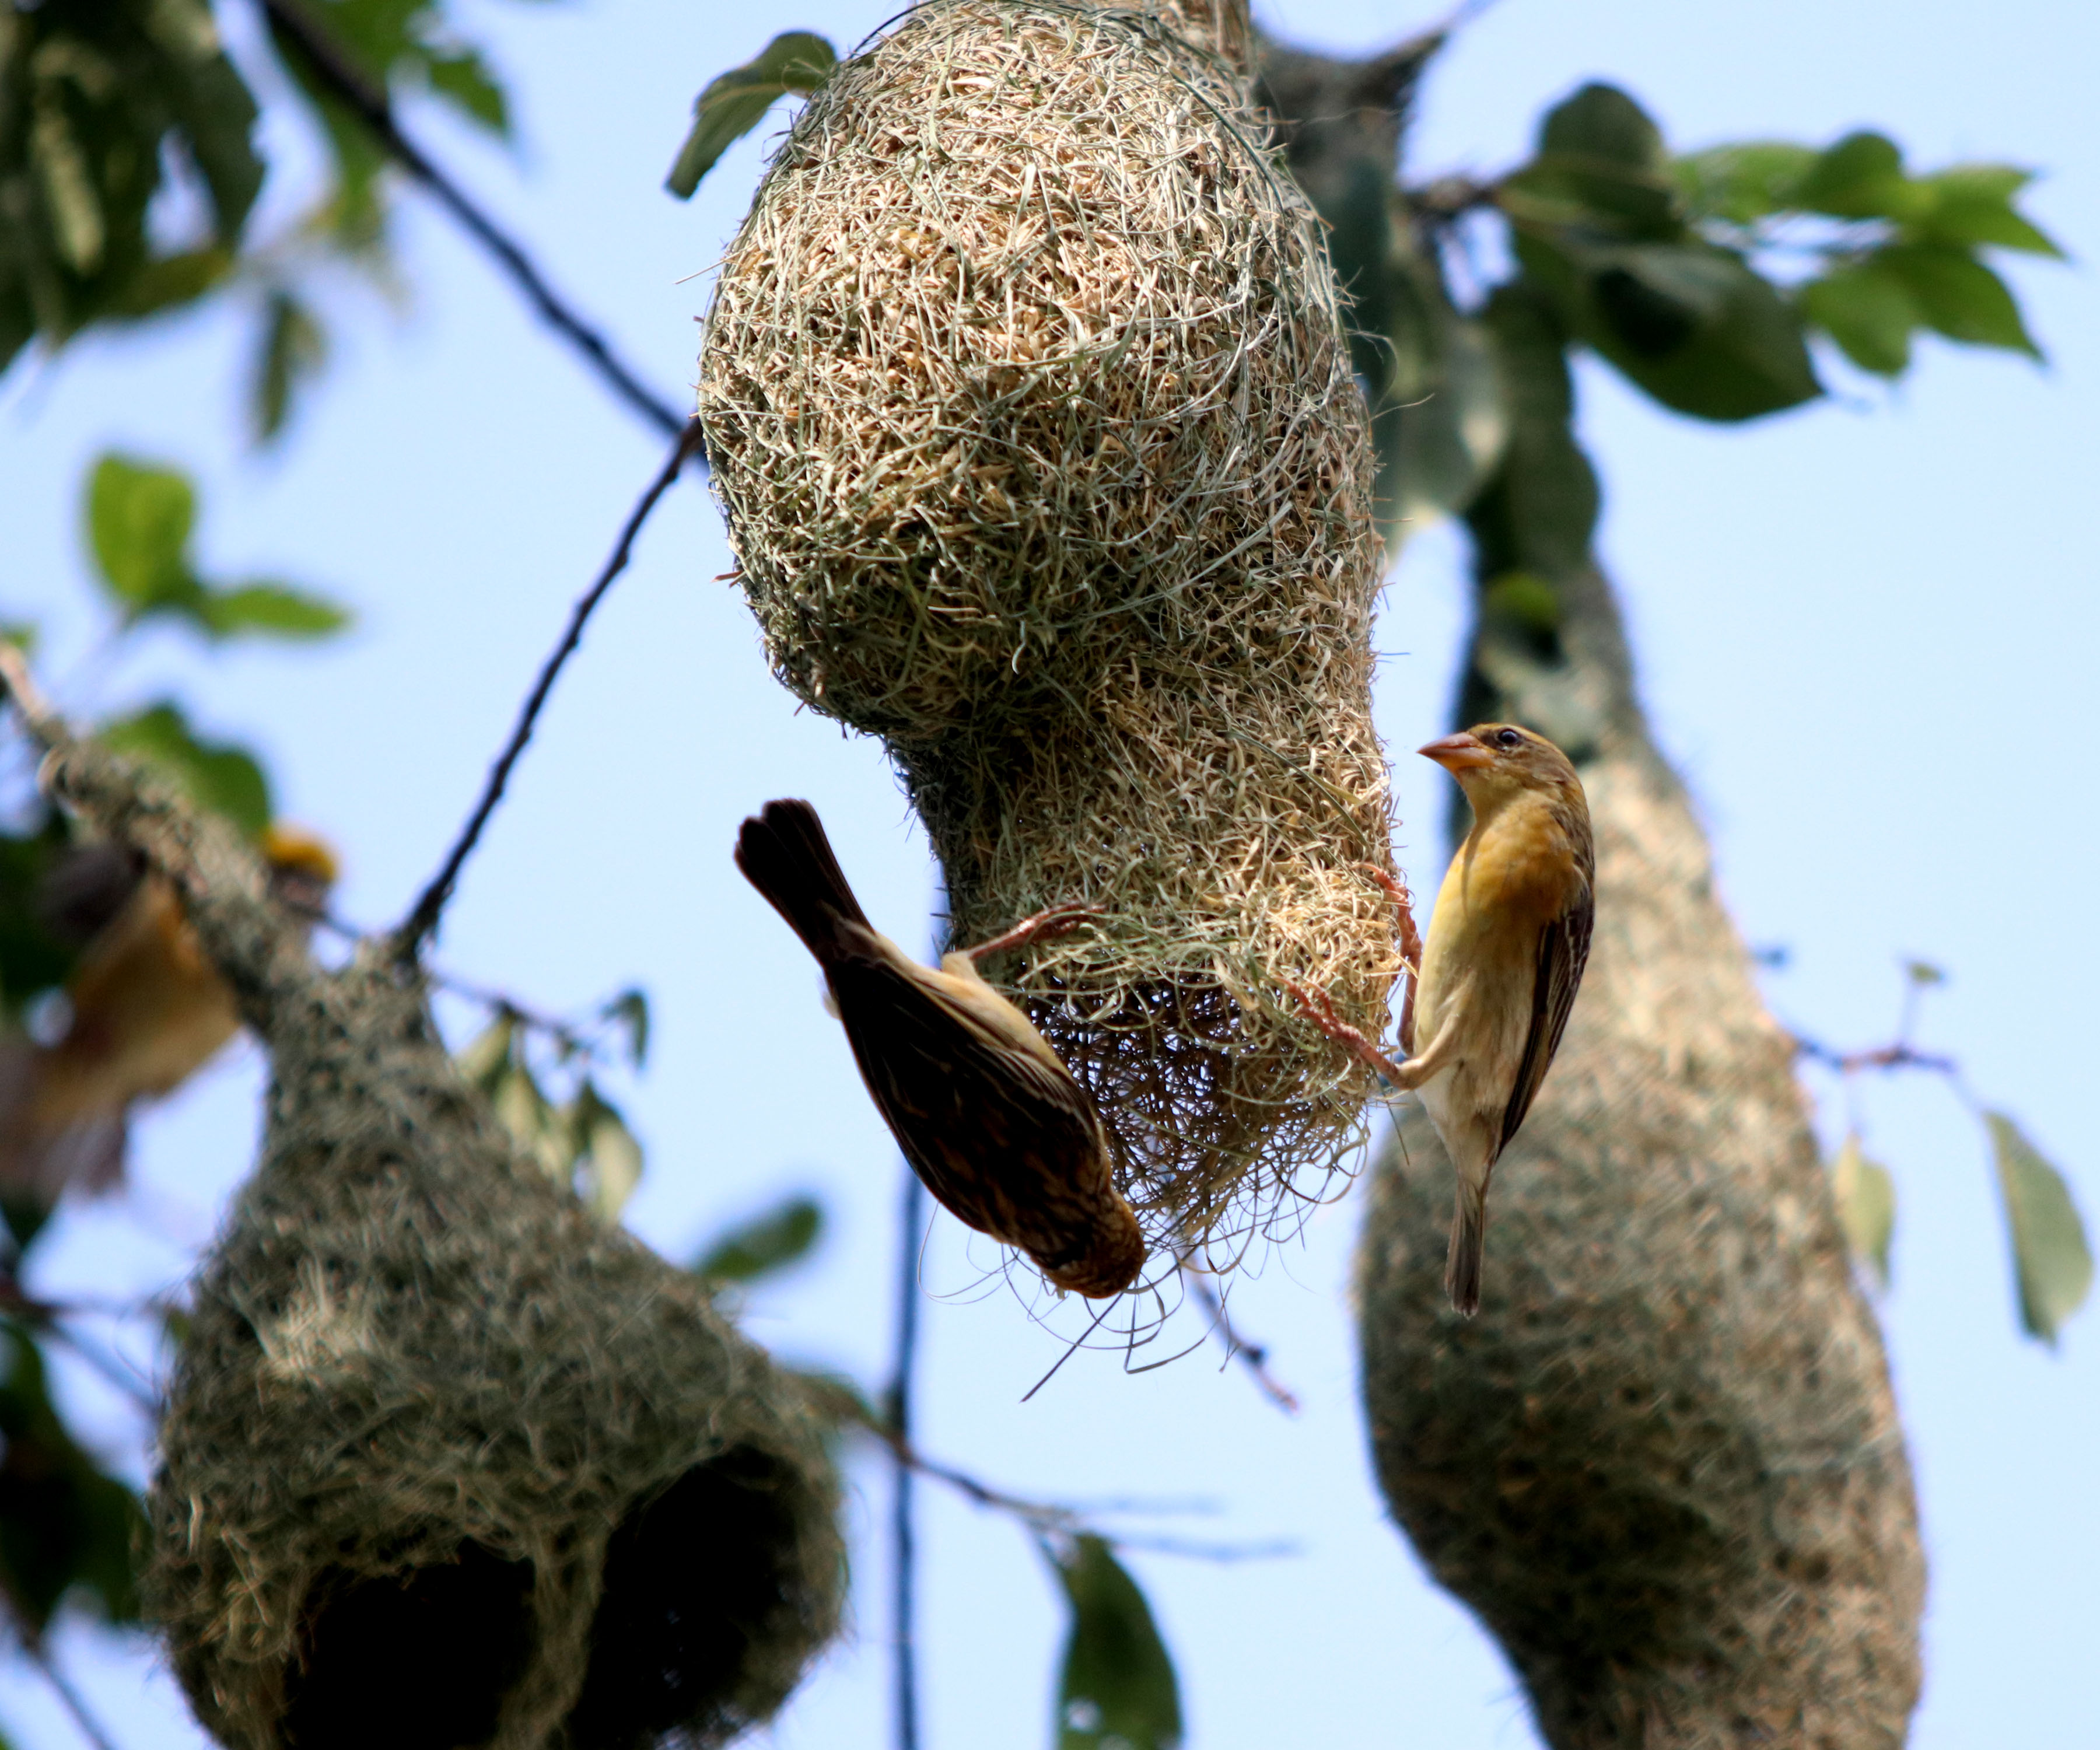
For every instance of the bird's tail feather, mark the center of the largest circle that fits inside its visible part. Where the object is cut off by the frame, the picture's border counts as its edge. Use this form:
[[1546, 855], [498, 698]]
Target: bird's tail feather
[[1469, 1234], [783, 853]]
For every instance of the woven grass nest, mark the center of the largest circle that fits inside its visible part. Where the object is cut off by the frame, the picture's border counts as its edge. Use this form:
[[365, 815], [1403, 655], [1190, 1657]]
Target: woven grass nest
[[447, 1462], [1033, 421]]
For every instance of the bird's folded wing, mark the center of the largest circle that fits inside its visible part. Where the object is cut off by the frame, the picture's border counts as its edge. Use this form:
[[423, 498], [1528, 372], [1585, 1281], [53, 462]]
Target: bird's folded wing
[[1564, 951]]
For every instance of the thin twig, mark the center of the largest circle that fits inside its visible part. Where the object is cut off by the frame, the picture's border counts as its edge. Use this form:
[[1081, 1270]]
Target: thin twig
[[409, 938], [1070, 1519], [895, 1432], [326, 60], [1896, 1056], [1252, 1355], [75, 1703]]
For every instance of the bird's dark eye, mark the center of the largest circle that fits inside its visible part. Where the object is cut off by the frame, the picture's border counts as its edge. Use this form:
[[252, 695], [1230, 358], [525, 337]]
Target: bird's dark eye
[[1508, 738]]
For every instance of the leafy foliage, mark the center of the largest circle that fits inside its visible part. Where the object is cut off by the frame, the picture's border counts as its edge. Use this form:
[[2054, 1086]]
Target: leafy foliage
[[1597, 220], [733, 103], [769, 1241], [140, 519], [92, 92], [66, 1527], [582, 1142], [1118, 1690], [2052, 1263], [218, 775]]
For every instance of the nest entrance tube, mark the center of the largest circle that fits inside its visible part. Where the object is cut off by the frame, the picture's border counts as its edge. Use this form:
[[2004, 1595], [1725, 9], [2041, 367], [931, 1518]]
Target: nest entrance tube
[[447, 1462], [1032, 418]]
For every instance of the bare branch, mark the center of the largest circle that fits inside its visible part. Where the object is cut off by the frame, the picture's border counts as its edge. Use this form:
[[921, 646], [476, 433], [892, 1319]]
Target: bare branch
[[423, 919], [325, 59]]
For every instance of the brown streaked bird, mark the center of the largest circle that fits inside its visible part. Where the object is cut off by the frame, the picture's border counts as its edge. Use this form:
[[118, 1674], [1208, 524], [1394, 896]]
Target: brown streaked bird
[[1506, 948], [148, 1011], [987, 1114]]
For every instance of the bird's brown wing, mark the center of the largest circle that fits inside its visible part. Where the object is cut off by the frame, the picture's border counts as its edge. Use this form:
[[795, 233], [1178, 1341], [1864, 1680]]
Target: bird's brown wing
[[1564, 951], [1007, 1142]]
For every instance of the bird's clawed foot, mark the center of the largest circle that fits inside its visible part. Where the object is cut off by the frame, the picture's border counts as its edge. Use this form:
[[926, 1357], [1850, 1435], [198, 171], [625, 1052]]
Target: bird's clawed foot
[[1320, 1010], [1403, 905], [1050, 922]]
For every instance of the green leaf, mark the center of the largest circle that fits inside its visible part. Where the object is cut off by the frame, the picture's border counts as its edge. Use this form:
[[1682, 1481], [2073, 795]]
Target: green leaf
[[2052, 1263], [1866, 1198], [98, 104], [66, 1528], [543, 1134], [1118, 1690], [1690, 323], [1868, 312], [486, 1058], [291, 352], [630, 1011], [736, 102], [460, 77], [1743, 183], [1860, 177], [1958, 295], [169, 282], [217, 775], [270, 610], [1923, 972], [611, 1156], [1972, 207], [1601, 123], [770, 1240], [139, 517], [835, 1399]]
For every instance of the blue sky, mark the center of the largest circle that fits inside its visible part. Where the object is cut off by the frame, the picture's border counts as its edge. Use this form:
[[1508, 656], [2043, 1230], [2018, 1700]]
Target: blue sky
[[1866, 631]]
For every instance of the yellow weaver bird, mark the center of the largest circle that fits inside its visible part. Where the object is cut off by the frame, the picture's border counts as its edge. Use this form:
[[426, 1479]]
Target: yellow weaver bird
[[1506, 948], [148, 1011], [985, 1112]]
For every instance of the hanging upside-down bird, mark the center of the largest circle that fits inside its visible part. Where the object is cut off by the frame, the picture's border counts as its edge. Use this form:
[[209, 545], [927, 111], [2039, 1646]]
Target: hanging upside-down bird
[[985, 1111], [1506, 948], [147, 1012]]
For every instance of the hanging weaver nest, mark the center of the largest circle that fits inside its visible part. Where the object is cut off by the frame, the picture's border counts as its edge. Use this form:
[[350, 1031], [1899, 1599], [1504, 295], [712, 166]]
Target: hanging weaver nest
[[448, 1461], [1033, 421], [445, 1461]]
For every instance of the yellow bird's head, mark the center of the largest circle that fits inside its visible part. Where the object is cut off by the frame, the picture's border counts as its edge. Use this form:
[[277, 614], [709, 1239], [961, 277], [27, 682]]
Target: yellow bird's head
[[302, 867], [1495, 763]]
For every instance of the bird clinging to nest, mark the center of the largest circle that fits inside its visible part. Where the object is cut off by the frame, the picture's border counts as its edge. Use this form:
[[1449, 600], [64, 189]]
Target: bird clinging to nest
[[985, 1111], [1507, 946]]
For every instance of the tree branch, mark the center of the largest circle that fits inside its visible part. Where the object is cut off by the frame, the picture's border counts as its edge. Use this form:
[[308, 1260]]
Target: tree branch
[[295, 23], [423, 919]]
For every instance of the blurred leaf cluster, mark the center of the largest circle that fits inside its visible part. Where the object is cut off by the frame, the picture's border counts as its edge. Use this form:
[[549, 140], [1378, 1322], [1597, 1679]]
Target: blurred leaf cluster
[[129, 173], [139, 519], [1704, 280], [2051, 1259], [577, 1135]]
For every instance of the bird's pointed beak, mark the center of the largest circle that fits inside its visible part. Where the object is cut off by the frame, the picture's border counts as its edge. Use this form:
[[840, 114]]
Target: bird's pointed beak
[[1456, 753]]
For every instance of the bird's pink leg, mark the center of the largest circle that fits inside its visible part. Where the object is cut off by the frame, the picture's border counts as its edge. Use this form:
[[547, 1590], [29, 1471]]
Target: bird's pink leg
[[1043, 923], [1410, 946], [1320, 1010]]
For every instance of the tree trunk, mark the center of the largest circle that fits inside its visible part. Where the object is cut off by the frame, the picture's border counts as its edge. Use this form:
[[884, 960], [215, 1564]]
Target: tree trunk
[[1664, 1464]]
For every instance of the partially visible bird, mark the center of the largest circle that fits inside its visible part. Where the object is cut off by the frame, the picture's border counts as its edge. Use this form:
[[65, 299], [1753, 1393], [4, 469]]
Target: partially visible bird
[[146, 1010], [1507, 946], [985, 1112]]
